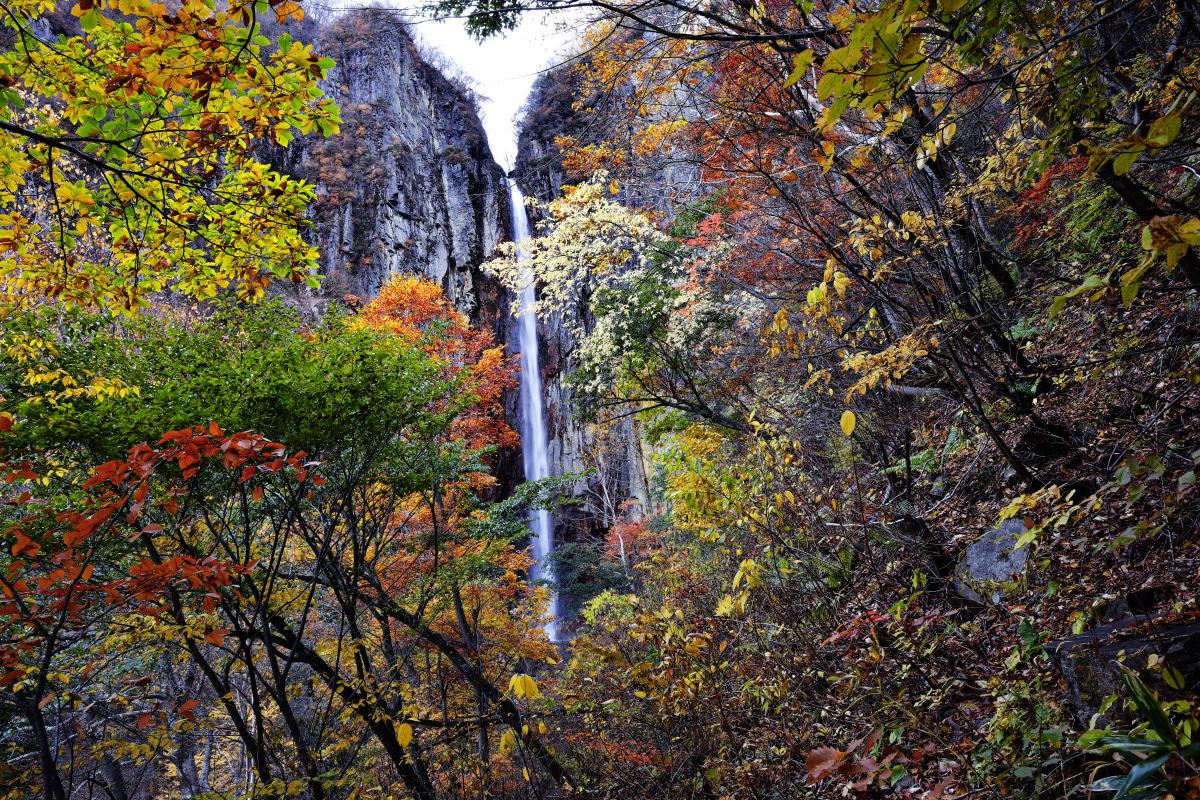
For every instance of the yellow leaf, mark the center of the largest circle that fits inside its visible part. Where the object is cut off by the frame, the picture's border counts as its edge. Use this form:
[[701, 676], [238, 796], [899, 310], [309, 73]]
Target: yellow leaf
[[1189, 231], [848, 421], [404, 733], [800, 65]]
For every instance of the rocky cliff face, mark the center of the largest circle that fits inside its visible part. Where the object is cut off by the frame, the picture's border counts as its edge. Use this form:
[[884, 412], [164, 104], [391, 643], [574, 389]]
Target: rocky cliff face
[[409, 185], [613, 450]]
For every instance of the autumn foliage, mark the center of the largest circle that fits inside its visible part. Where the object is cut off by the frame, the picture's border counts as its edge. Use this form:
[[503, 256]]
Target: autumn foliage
[[877, 282], [415, 311], [877, 323]]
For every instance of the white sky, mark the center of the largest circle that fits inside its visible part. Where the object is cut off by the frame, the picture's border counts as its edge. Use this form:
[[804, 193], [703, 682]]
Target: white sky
[[502, 67]]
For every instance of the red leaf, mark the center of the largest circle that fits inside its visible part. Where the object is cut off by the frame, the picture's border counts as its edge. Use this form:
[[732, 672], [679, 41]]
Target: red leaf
[[216, 637], [188, 709], [145, 720], [937, 791], [25, 547], [822, 762]]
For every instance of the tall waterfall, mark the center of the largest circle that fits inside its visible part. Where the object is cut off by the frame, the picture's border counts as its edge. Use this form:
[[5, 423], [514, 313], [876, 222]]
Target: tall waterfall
[[534, 452]]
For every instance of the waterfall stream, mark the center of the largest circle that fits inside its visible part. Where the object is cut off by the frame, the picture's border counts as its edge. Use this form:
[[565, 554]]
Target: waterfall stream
[[534, 452]]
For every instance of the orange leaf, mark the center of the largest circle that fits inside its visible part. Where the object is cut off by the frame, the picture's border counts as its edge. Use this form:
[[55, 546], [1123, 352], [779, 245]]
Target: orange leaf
[[822, 762], [25, 547], [188, 709]]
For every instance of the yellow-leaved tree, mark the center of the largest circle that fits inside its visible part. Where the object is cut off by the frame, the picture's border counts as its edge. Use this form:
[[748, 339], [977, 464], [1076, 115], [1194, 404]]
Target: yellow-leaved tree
[[127, 161]]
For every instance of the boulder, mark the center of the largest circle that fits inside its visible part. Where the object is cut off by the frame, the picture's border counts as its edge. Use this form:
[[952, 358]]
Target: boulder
[[1091, 662], [992, 565]]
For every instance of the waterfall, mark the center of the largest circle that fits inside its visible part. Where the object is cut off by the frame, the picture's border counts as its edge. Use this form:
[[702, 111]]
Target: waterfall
[[534, 452]]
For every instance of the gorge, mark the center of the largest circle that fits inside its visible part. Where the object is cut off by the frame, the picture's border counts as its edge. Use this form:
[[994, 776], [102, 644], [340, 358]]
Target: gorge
[[810, 413], [410, 186]]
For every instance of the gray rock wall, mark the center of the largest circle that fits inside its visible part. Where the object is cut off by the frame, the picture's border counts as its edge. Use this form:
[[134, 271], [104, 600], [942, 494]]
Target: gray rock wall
[[409, 185], [613, 451]]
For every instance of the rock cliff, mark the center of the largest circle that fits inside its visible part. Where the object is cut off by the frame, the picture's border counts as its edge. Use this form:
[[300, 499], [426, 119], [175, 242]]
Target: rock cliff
[[612, 451], [409, 185]]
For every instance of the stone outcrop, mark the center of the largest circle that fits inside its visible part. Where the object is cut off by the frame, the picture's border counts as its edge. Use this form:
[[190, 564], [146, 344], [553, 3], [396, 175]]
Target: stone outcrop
[[1091, 662], [409, 184], [993, 565]]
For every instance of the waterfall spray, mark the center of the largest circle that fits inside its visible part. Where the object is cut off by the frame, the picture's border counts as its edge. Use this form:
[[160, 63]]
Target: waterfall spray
[[534, 452]]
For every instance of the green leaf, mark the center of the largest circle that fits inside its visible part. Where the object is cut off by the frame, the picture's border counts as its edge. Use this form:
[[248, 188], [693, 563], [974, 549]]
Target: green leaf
[[90, 19], [1151, 710], [1164, 130], [831, 83], [1127, 744], [800, 65], [1091, 283], [1110, 784], [1123, 162], [1140, 773], [1090, 739]]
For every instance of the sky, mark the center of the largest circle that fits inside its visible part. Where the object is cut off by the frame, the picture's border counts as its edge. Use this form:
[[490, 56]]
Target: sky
[[503, 68]]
